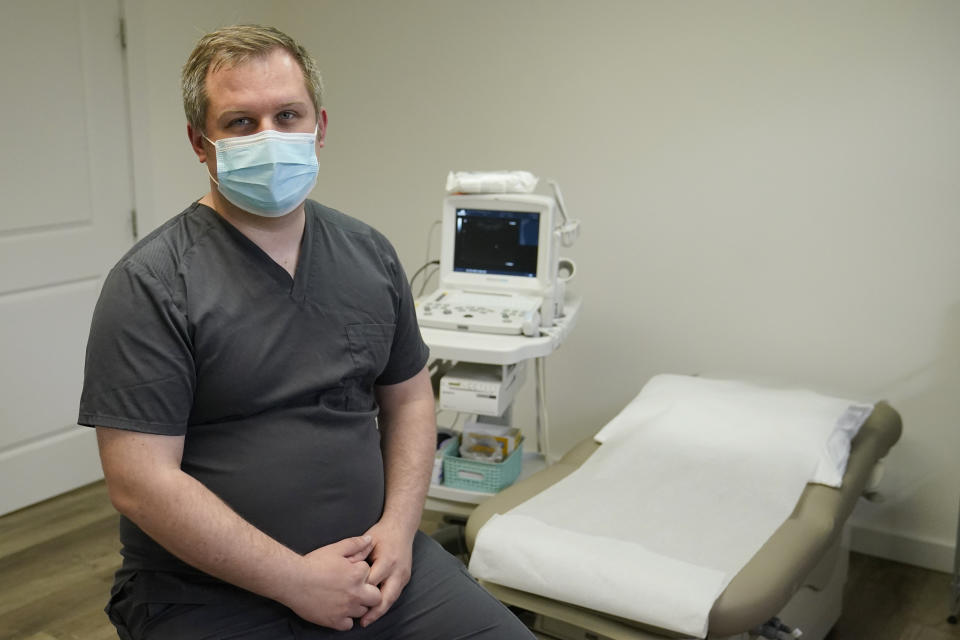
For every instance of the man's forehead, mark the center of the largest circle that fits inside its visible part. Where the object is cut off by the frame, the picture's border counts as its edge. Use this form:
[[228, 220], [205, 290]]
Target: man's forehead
[[275, 76], [274, 64]]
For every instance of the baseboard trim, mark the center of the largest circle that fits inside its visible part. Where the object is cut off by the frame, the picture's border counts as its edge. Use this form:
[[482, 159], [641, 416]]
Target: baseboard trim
[[929, 554]]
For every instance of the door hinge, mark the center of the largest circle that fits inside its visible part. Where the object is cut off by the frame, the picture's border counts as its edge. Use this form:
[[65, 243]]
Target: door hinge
[[123, 33], [133, 224]]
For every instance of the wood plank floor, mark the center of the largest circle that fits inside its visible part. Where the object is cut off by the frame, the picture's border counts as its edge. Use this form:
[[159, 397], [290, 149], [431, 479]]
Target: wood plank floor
[[57, 561]]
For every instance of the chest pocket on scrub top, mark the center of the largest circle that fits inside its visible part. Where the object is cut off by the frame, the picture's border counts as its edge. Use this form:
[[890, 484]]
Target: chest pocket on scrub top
[[370, 348]]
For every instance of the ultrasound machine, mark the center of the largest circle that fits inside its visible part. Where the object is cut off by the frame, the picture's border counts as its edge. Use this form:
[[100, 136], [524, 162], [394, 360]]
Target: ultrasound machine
[[498, 265]]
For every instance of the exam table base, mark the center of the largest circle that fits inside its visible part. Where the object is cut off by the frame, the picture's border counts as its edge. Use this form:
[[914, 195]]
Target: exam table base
[[814, 608]]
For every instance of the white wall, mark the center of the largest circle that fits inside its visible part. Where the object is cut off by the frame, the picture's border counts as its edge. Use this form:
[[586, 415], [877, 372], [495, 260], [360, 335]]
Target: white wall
[[767, 189], [160, 36]]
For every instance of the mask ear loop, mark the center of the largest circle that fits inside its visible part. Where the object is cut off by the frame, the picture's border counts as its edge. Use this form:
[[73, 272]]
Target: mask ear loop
[[214, 145]]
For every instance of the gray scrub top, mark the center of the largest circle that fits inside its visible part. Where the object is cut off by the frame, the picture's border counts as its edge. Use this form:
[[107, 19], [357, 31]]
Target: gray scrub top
[[199, 333]]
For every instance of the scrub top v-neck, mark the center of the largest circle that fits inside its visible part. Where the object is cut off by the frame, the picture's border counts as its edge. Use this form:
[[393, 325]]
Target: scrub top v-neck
[[270, 379], [295, 283]]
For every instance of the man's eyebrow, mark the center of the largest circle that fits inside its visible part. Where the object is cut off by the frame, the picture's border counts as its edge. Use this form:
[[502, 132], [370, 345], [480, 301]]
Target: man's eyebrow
[[239, 110]]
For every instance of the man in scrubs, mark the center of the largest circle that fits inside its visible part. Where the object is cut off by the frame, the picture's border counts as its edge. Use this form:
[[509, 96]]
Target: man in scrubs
[[257, 381]]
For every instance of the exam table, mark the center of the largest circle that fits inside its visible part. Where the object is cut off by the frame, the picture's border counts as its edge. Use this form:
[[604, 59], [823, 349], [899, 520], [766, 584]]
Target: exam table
[[797, 575]]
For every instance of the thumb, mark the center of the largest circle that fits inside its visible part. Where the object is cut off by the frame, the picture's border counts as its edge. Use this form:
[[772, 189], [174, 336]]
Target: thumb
[[356, 546]]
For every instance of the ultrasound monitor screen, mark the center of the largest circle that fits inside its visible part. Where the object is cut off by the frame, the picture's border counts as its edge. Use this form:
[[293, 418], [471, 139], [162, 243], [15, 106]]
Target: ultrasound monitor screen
[[496, 242]]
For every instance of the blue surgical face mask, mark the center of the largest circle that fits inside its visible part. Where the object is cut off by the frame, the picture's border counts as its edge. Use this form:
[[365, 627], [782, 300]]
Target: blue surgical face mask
[[268, 173]]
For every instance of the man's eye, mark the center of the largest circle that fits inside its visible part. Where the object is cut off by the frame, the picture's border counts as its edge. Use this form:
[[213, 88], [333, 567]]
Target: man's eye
[[286, 115], [239, 122]]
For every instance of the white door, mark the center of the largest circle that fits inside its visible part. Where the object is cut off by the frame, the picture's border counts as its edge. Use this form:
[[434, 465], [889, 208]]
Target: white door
[[65, 218]]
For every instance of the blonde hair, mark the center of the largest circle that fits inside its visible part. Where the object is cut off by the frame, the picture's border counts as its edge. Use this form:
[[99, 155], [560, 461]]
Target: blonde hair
[[234, 45]]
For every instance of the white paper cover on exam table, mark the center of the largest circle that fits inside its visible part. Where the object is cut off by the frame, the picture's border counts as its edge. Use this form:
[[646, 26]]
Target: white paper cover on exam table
[[695, 475]]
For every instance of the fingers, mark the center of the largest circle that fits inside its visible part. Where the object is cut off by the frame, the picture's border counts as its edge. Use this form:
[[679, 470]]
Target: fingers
[[379, 571], [343, 624], [370, 596], [359, 572], [374, 614], [362, 601], [389, 592], [336, 591], [358, 547], [359, 556], [361, 592], [358, 609]]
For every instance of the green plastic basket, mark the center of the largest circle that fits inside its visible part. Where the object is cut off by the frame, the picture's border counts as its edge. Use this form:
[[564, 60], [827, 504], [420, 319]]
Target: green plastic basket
[[475, 475]]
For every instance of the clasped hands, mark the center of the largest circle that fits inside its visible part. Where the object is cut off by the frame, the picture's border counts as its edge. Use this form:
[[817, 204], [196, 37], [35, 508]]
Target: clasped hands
[[356, 578]]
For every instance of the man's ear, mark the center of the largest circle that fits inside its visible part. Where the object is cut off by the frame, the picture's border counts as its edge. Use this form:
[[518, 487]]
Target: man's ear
[[321, 127], [196, 141]]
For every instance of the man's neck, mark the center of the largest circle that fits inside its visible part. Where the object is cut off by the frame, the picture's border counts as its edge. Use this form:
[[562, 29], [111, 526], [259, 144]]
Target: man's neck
[[278, 237]]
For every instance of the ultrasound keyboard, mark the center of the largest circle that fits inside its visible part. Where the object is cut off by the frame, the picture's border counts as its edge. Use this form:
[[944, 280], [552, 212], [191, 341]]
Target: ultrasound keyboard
[[477, 311]]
